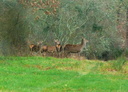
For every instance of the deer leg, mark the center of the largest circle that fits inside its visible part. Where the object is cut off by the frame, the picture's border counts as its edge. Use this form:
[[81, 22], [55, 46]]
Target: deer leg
[[43, 53], [59, 54], [30, 51], [79, 54], [66, 54], [62, 54], [52, 54], [38, 53]]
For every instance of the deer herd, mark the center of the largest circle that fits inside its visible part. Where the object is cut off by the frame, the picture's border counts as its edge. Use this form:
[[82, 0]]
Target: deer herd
[[58, 49]]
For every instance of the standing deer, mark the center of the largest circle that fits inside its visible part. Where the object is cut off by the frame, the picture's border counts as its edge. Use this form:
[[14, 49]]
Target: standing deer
[[35, 47], [78, 48], [52, 49]]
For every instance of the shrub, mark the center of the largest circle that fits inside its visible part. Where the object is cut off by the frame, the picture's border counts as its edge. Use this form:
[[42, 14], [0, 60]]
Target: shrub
[[118, 64]]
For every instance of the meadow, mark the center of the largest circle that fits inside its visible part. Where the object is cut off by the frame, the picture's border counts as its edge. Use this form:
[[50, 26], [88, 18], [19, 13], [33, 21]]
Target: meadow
[[48, 74]]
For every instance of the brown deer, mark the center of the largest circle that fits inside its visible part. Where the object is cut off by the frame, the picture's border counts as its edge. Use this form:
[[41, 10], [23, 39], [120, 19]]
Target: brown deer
[[78, 48], [52, 49], [35, 47]]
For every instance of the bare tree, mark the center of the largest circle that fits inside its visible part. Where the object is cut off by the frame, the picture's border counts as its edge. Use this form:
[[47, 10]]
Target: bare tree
[[127, 28]]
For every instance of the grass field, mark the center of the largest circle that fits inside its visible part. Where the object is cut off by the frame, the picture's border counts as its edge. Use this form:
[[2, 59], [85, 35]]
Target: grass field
[[47, 74]]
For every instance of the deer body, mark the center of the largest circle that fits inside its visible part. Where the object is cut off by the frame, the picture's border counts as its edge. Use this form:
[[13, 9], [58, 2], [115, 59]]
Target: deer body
[[78, 48], [73, 48], [52, 49], [43, 49]]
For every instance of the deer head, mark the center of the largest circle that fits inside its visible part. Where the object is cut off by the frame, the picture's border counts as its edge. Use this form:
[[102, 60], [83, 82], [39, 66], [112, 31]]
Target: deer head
[[39, 43], [84, 41], [58, 45], [35, 47]]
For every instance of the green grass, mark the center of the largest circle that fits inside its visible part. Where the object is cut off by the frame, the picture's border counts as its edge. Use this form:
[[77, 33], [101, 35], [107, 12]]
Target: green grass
[[47, 74]]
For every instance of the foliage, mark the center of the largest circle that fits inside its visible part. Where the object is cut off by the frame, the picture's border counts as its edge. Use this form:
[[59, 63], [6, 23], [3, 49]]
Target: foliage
[[13, 31], [24, 21], [48, 6], [119, 63]]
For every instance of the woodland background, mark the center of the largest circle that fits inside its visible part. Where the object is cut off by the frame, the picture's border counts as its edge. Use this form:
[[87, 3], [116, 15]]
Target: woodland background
[[103, 22]]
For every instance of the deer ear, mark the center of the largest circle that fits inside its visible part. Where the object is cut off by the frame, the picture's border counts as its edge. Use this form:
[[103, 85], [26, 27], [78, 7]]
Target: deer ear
[[41, 41], [37, 43], [87, 40], [55, 40], [82, 37]]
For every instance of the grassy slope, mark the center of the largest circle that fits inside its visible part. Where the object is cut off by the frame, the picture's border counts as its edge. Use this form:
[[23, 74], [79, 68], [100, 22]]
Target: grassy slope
[[37, 74]]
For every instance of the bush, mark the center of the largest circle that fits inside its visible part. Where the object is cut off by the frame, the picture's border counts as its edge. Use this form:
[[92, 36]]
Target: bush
[[73, 20], [118, 64]]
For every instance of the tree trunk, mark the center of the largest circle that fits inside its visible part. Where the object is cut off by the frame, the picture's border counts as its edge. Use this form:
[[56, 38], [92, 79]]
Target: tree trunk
[[126, 28], [118, 14]]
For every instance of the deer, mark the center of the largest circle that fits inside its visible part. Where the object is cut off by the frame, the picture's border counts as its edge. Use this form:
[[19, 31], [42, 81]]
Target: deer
[[35, 47], [52, 49], [78, 48]]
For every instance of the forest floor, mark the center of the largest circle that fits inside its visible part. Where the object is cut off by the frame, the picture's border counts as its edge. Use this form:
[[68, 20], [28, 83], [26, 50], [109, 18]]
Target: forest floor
[[48, 74]]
